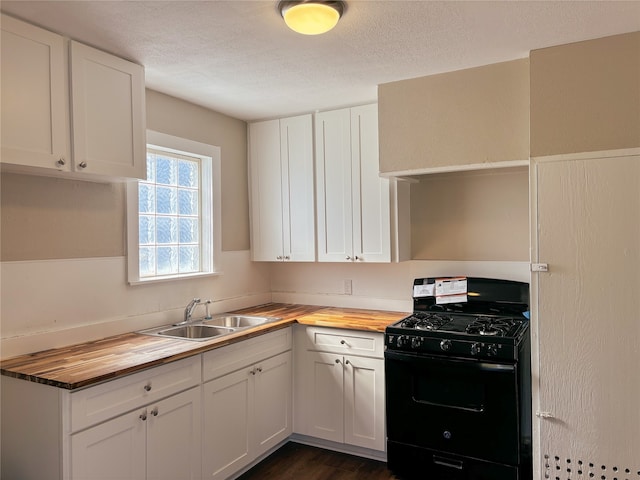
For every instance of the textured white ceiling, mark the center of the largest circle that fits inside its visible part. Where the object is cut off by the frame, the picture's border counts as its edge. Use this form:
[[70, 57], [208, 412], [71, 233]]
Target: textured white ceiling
[[237, 57]]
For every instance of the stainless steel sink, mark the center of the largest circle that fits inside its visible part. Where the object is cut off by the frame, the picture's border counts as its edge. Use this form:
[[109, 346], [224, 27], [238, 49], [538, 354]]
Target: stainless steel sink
[[239, 321], [208, 329], [195, 332]]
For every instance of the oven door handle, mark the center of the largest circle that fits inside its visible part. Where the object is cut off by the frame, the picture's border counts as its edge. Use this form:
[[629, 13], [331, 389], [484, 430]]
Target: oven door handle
[[445, 462], [449, 363], [456, 407]]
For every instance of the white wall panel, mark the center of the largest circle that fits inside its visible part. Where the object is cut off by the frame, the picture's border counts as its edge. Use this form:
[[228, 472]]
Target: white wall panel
[[586, 318]]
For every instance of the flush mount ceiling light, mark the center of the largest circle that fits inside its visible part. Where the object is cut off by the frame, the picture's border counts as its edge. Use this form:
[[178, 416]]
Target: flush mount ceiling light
[[311, 17]]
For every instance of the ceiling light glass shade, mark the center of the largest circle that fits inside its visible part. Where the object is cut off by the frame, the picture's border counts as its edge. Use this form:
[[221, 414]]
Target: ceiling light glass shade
[[309, 17]]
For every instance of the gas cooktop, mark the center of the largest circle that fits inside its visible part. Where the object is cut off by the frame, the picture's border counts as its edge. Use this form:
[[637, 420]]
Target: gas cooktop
[[485, 325]]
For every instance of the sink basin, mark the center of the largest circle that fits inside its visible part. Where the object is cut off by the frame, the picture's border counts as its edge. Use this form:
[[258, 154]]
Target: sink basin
[[239, 321], [197, 332], [207, 329]]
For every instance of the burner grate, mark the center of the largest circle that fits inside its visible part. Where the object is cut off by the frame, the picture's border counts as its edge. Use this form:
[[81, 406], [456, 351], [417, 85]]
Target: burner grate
[[494, 327], [425, 321]]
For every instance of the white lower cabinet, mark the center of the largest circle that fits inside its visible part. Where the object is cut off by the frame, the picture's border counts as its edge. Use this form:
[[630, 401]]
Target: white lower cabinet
[[142, 426], [339, 396], [247, 411], [159, 441]]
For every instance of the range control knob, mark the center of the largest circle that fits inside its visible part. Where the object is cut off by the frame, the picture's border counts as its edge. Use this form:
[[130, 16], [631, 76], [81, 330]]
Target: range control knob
[[492, 349], [416, 342], [402, 341], [445, 345], [475, 348]]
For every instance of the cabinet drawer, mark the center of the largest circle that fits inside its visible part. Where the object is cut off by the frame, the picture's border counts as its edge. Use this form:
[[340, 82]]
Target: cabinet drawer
[[228, 359], [341, 341], [107, 400]]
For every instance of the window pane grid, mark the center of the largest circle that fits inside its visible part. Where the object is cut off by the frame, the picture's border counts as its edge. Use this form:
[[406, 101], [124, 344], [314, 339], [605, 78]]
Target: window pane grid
[[169, 216]]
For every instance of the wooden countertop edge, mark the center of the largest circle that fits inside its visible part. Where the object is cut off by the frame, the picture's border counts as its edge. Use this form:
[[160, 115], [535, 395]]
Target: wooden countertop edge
[[175, 349]]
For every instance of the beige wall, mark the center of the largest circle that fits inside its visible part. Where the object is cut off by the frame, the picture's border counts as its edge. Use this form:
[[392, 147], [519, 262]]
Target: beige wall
[[54, 218], [473, 116], [586, 96], [463, 216], [44, 218], [173, 116]]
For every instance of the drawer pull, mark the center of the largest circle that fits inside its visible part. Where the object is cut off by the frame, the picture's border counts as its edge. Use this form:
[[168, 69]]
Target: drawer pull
[[143, 416], [154, 412], [147, 387]]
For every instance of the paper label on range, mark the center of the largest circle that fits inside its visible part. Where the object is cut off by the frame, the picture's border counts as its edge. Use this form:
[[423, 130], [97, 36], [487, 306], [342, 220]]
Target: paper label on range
[[428, 290], [451, 290]]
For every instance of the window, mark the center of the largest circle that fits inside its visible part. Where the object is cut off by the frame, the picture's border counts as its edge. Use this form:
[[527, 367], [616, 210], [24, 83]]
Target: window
[[173, 215]]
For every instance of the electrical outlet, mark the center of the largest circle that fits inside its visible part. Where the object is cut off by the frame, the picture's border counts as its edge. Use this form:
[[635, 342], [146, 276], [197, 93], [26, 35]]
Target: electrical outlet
[[348, 287]]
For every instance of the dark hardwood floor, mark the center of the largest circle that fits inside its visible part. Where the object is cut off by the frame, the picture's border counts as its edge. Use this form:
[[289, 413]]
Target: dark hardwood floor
[[302, 462]]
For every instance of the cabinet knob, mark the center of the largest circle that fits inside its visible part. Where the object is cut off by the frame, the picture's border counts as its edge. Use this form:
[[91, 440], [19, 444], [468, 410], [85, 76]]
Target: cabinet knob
[[259, 369], [147, 387], [60, 162], [143, 416], [82, 165], [154, 412], [279, 257], [347, 362], [344, 342], [287, 257], [338, 360], [348, 257]]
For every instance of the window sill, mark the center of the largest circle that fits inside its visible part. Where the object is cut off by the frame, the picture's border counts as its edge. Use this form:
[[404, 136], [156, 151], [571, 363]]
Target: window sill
[[172, 278]]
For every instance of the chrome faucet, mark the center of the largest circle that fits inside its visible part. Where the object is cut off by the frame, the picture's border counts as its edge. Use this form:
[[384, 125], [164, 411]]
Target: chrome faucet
[[188, 311]]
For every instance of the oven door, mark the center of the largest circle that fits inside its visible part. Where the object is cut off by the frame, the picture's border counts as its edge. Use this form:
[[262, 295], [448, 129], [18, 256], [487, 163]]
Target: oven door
[[464, 407]]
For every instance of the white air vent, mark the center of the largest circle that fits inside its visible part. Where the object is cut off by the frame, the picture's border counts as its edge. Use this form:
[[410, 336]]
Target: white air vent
[[558, 468]]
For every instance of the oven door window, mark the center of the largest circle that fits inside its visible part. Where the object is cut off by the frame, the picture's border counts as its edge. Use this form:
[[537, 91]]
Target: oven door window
[[460, 406]]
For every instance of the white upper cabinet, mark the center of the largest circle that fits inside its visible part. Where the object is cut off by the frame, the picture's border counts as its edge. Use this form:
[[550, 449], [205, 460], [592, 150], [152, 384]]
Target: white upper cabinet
[[354, 208], [95, 103], [107, 98], [35, 126], [282, 202]]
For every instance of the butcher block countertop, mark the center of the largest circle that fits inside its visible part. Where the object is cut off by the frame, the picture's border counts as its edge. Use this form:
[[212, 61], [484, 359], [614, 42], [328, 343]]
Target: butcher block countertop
[[85, 364]]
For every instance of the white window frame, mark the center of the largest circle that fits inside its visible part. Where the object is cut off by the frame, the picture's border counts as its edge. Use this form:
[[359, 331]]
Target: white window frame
[[210, 212]]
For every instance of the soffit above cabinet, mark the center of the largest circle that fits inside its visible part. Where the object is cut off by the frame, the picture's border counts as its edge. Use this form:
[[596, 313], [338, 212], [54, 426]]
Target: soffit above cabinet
[[459, 120]]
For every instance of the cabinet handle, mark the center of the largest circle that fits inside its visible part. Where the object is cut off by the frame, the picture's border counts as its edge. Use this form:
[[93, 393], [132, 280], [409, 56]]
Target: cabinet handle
[[279, 257], [348, 257], [252, 372], [347, 362], [344, 342], [287, 257], [82, 165], [357, 258], [154, 412], [338, 360], [143, 416], [259, 369], [147, 387], [60, 162]]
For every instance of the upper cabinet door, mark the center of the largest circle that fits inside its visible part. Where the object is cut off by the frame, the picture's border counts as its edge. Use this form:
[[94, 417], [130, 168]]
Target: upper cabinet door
[[371, 197], [296, 147], [282, 202], [266, 191], [107, 95], [333, 182], [34, 97]]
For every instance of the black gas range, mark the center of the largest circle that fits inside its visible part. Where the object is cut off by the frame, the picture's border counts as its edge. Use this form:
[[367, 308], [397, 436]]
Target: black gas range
[[458, 382]]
